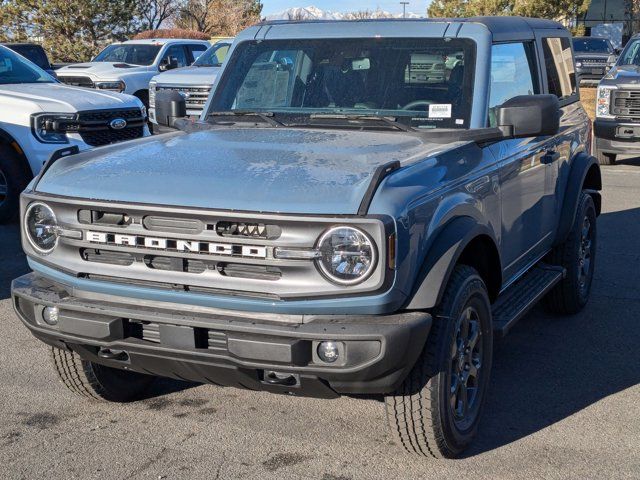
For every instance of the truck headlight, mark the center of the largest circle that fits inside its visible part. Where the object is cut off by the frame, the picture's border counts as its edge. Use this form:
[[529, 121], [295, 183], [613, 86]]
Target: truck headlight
[[53, 127], [152, 94], [603, 102], [41, 227], [116, 86], [578, 64], [347, 255]]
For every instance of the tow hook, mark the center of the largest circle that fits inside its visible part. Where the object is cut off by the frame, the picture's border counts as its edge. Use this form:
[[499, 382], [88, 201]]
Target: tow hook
[[118, 355], [279, 378]]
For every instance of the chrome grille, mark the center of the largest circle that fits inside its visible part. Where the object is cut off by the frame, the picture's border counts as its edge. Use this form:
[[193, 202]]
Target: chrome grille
[[626, 103], [195, 97], [85, 82]]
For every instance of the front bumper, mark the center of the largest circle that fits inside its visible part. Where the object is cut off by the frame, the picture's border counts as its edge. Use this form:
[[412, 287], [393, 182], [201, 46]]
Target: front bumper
[[610, 136], [375, 352]]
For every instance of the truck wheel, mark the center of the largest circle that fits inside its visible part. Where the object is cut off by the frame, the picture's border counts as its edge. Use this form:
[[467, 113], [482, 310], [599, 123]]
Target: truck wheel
[[13, 180], [97, 382], [605, 158], [577, 255], [437, 409]]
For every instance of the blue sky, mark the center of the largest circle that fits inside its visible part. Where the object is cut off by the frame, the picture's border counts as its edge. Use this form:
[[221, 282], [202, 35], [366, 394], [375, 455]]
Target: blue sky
[[276, 6]]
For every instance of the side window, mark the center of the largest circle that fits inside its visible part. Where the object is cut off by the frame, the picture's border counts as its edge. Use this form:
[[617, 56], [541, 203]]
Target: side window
[[177, 52], [196, 51], [558, 60], [512, 74]]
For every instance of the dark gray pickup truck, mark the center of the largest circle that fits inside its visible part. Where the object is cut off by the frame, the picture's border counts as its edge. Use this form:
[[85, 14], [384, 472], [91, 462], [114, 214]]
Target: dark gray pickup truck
[[360, 209]]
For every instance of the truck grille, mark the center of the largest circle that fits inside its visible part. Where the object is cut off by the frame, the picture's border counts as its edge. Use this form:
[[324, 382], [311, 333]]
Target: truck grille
[[195, 97], [77, 81], [626, 103], [95, 130]]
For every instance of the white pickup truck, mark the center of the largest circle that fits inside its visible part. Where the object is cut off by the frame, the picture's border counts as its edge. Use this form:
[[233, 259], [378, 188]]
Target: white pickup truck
[[127, 67], [40, 118], [194, 83]]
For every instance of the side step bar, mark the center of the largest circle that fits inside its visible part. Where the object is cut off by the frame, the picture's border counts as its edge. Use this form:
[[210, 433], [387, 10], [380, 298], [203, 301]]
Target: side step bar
[[523, 295]]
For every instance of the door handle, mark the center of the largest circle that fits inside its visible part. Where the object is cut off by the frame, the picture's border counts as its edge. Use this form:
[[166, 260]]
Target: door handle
[[550, 157]]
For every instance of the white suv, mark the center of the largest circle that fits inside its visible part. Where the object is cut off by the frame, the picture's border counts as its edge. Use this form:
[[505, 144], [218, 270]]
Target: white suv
[[41, 118], [127, 67]]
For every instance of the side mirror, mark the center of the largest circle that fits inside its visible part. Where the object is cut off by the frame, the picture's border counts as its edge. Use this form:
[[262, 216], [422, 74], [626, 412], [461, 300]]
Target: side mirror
[[170, 64], [529, 116], [170, 107]]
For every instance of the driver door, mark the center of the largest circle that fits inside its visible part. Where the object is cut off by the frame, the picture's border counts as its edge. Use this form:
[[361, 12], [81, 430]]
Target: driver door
[[526, 175]]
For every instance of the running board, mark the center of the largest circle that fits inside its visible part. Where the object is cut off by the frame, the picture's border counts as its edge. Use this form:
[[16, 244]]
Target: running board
[[523, 295]]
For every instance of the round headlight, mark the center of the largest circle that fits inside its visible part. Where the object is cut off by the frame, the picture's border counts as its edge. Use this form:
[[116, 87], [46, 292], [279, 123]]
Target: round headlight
[[348, 255], [41, 227]]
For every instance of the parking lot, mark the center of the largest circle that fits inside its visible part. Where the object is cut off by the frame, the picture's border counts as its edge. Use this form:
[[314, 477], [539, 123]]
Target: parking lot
[[563, 404]]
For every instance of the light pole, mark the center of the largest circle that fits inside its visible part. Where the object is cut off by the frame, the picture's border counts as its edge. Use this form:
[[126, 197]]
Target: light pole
[[404, 9]]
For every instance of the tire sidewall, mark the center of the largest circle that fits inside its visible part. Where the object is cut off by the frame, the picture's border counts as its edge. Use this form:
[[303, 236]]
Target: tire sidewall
[[586, 210], [472, 293], [16, 178]]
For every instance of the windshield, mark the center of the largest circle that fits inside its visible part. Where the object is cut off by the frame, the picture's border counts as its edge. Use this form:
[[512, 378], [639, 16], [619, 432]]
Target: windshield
[[631, 54], [34, 53], [133, 53], [214, 56], [592, 45], [16, 69], [423, 83]]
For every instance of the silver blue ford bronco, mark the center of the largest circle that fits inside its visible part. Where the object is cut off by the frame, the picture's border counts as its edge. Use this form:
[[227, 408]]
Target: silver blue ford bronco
[[362, 207]]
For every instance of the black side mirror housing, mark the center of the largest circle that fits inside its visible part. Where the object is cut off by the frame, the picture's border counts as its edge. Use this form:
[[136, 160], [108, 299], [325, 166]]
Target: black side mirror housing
[[170, 107], [170, 64], [529, 116]]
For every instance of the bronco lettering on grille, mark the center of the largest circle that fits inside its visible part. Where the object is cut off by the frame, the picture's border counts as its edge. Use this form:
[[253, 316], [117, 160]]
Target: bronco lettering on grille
[[188, 246]]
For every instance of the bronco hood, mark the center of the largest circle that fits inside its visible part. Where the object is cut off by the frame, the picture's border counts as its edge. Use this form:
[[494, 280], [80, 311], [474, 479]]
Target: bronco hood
[[259, 169]]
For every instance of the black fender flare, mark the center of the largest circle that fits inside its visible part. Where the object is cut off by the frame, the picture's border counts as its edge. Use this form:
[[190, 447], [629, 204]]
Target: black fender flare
[[15, 146], [441, 258], [580, 167]]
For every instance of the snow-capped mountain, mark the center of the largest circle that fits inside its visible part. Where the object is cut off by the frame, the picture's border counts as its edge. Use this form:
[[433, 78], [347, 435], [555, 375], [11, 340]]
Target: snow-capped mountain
[[315, 13]]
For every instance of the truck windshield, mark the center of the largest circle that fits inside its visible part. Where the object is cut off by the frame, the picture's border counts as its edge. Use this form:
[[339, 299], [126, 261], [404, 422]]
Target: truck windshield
[[213, 57], [631, 54], [35, 53], [423, 83], [16, 69], [592, 45], [135, 54]]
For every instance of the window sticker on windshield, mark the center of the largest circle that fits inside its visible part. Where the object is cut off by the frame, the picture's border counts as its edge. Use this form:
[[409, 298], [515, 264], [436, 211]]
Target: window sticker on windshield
[[440, 110], [459, 121]]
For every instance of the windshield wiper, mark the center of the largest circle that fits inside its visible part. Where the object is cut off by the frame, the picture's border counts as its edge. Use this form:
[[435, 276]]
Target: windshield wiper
[[266, 117], [390, 121]]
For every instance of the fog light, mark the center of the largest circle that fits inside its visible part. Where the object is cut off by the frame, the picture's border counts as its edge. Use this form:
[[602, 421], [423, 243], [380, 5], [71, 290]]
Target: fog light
[[50, 315], [328, 351]]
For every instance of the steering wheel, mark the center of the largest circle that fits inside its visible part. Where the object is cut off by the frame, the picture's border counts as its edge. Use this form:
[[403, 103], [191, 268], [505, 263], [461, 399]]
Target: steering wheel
[[417, 103]]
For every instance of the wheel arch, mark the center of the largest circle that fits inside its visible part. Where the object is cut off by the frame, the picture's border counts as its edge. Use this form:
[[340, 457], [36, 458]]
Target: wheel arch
[[584, 175], [7, 139], [461, 241]]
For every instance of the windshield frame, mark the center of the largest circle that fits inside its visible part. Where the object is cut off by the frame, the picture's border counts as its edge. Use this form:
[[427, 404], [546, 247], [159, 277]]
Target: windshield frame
[[44, 77], [113, 46], [577, 40], [469, 45]]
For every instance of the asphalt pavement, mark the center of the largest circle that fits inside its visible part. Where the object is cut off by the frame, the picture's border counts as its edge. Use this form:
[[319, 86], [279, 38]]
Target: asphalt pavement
[[564, 400]]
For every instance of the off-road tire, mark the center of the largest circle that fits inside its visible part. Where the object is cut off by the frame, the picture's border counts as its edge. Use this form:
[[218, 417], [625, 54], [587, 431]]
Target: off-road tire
[[418, 413], [98, 382], [605, 158], [14, 177], [570, 296]]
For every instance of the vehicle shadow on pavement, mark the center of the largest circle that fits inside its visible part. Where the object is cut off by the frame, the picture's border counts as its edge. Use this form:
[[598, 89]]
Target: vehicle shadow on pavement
[[551, 367]]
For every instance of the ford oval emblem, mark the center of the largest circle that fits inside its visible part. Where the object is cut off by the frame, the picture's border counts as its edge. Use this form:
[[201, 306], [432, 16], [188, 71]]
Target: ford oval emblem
[[118, 123]]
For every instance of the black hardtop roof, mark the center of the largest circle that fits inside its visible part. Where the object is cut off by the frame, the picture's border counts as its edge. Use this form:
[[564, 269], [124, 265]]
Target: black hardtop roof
[[501, 28]]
